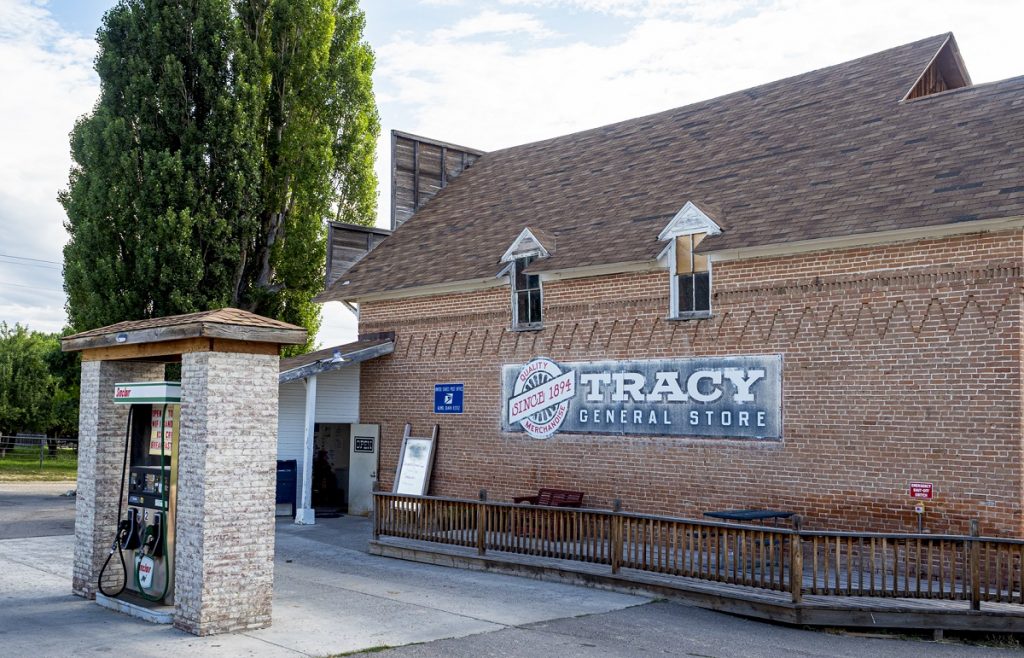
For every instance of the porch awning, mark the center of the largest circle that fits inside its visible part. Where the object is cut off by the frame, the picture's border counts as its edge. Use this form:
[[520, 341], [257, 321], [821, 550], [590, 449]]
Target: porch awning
[[339, 356]]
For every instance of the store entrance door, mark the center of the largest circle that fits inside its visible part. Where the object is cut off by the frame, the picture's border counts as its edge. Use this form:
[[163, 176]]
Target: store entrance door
[[363, 462]]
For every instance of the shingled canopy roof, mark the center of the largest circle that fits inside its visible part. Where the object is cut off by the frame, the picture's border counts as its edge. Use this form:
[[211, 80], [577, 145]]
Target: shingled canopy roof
[[231, 323], [830, 153]]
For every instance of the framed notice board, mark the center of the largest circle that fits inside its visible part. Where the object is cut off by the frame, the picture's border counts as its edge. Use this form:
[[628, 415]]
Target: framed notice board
[[415, 462]]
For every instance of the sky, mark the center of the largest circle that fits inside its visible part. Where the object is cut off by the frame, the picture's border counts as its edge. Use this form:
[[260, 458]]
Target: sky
[[482, 73]]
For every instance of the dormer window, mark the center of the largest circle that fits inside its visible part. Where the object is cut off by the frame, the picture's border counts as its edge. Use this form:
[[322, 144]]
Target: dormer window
[[527, 299], [691, 279], [526, 296], [689, 270]]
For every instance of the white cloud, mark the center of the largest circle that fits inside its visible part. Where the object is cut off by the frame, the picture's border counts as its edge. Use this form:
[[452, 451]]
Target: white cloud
[[338, 326], [494, 22], [495, 93], [694, 9], [48, 83]]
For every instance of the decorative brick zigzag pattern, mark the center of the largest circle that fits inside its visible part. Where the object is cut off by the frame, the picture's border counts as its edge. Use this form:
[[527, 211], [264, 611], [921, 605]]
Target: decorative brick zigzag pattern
[[754, 328]]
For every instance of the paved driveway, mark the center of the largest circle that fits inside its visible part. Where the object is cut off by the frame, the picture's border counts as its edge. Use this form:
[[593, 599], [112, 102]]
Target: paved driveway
[[331, 597]]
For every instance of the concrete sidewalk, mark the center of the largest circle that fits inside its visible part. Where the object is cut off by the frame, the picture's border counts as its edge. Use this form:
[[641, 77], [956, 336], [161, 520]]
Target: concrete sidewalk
[[330, 597]]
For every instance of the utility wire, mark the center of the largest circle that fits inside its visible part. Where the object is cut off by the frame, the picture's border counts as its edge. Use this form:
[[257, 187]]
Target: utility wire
[[7, 262], [38, 260], [20, 285]]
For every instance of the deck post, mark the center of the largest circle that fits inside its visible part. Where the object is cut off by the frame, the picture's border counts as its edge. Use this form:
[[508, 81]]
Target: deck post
[[796, 562], [376, 517], [481, 525], [974, 550], [616, 542]]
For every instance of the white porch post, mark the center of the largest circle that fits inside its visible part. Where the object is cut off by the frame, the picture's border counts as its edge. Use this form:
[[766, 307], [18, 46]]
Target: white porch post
[[304, 515]]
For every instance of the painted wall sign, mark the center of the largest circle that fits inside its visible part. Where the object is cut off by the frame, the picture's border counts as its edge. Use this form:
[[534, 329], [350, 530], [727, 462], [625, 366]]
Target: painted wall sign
[[921, 490], [721, 396], [448, 398]]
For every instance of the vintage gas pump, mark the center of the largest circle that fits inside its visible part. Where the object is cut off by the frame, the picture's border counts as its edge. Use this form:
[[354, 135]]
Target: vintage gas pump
[[145, 536]]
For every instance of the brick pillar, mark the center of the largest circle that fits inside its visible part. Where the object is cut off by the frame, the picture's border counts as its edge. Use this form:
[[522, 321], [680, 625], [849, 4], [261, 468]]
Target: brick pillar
[[224, 548], [101, 437]]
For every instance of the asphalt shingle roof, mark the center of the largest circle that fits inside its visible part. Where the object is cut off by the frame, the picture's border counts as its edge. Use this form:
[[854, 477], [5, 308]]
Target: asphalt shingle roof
[[833, 152], [227, 316]]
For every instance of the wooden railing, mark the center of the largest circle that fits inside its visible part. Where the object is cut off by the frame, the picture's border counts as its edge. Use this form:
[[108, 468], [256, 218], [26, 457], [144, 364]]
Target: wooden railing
[[800, 562], [954, 567]]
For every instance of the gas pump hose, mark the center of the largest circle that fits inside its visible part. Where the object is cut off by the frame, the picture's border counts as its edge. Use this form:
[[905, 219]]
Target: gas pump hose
[[116, 545], [162, 530]]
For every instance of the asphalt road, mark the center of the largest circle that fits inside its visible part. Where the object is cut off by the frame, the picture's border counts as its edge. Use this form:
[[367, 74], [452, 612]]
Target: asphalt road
[[672, 629], [36, 509]]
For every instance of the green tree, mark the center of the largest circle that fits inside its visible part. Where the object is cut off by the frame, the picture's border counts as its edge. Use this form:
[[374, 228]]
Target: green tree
[[225, 134], [66, 371], [26, 385]]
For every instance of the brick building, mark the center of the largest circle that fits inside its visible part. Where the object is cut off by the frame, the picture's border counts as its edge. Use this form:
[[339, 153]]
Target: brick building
[[858, 228]]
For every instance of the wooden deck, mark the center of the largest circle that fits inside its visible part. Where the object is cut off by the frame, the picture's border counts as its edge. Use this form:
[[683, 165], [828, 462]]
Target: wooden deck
[[776, 606]]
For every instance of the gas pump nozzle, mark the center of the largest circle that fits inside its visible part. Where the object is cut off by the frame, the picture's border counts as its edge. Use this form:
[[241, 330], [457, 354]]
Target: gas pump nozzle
[[152, 542], [128, 531]]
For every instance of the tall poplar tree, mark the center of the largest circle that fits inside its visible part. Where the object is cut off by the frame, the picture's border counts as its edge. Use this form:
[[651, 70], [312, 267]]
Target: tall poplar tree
[[225, 134]]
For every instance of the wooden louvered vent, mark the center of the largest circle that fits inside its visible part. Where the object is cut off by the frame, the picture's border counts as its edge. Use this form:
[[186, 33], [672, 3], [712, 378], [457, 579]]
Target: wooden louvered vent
[[946, 71], [420, 168]]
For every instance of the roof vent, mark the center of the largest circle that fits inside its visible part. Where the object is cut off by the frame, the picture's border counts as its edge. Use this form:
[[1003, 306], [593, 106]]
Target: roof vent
[[420, 168], [946, 71]]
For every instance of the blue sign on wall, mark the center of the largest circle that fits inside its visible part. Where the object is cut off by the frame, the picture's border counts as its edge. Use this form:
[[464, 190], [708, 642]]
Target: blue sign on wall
[[448, 398]]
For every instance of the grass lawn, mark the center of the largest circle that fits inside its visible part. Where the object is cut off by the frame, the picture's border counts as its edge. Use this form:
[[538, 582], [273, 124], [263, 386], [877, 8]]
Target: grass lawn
[[21, 464]]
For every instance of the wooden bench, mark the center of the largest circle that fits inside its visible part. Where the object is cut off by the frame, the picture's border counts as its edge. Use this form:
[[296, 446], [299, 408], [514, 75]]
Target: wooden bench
[[552, 498]]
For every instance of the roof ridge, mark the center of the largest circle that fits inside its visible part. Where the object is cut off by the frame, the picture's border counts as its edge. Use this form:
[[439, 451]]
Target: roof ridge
[[941, 38]]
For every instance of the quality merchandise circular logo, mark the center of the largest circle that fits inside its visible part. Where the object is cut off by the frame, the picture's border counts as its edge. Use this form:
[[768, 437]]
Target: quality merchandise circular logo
[[540, 397]]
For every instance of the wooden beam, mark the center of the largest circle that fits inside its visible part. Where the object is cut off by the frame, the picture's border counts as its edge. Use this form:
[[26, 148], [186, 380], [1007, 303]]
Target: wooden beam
[[415, 176], [175, 348]]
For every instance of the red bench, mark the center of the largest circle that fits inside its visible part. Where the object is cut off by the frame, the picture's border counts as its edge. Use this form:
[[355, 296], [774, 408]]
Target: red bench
[[552, 498]]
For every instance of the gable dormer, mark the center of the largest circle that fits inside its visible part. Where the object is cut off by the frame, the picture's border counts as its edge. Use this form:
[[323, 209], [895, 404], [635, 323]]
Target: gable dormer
[[946, 71], [689, 270], [525, 288], [531, 242]]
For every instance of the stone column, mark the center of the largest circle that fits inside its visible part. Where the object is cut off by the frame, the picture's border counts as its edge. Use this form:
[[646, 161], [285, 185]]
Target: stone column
[[101, 444], [227, 461]]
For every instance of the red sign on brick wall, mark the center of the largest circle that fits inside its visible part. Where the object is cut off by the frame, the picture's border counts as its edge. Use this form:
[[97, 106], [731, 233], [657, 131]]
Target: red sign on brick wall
[[921, 489]]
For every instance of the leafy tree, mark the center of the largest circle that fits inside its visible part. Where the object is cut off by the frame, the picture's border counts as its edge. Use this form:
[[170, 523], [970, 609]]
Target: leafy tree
[[26, 384], [39, 384], [224, 136], [66, 370]]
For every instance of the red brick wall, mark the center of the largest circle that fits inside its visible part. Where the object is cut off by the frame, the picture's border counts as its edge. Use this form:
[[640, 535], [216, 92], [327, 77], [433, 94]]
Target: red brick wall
[[901, 362]]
